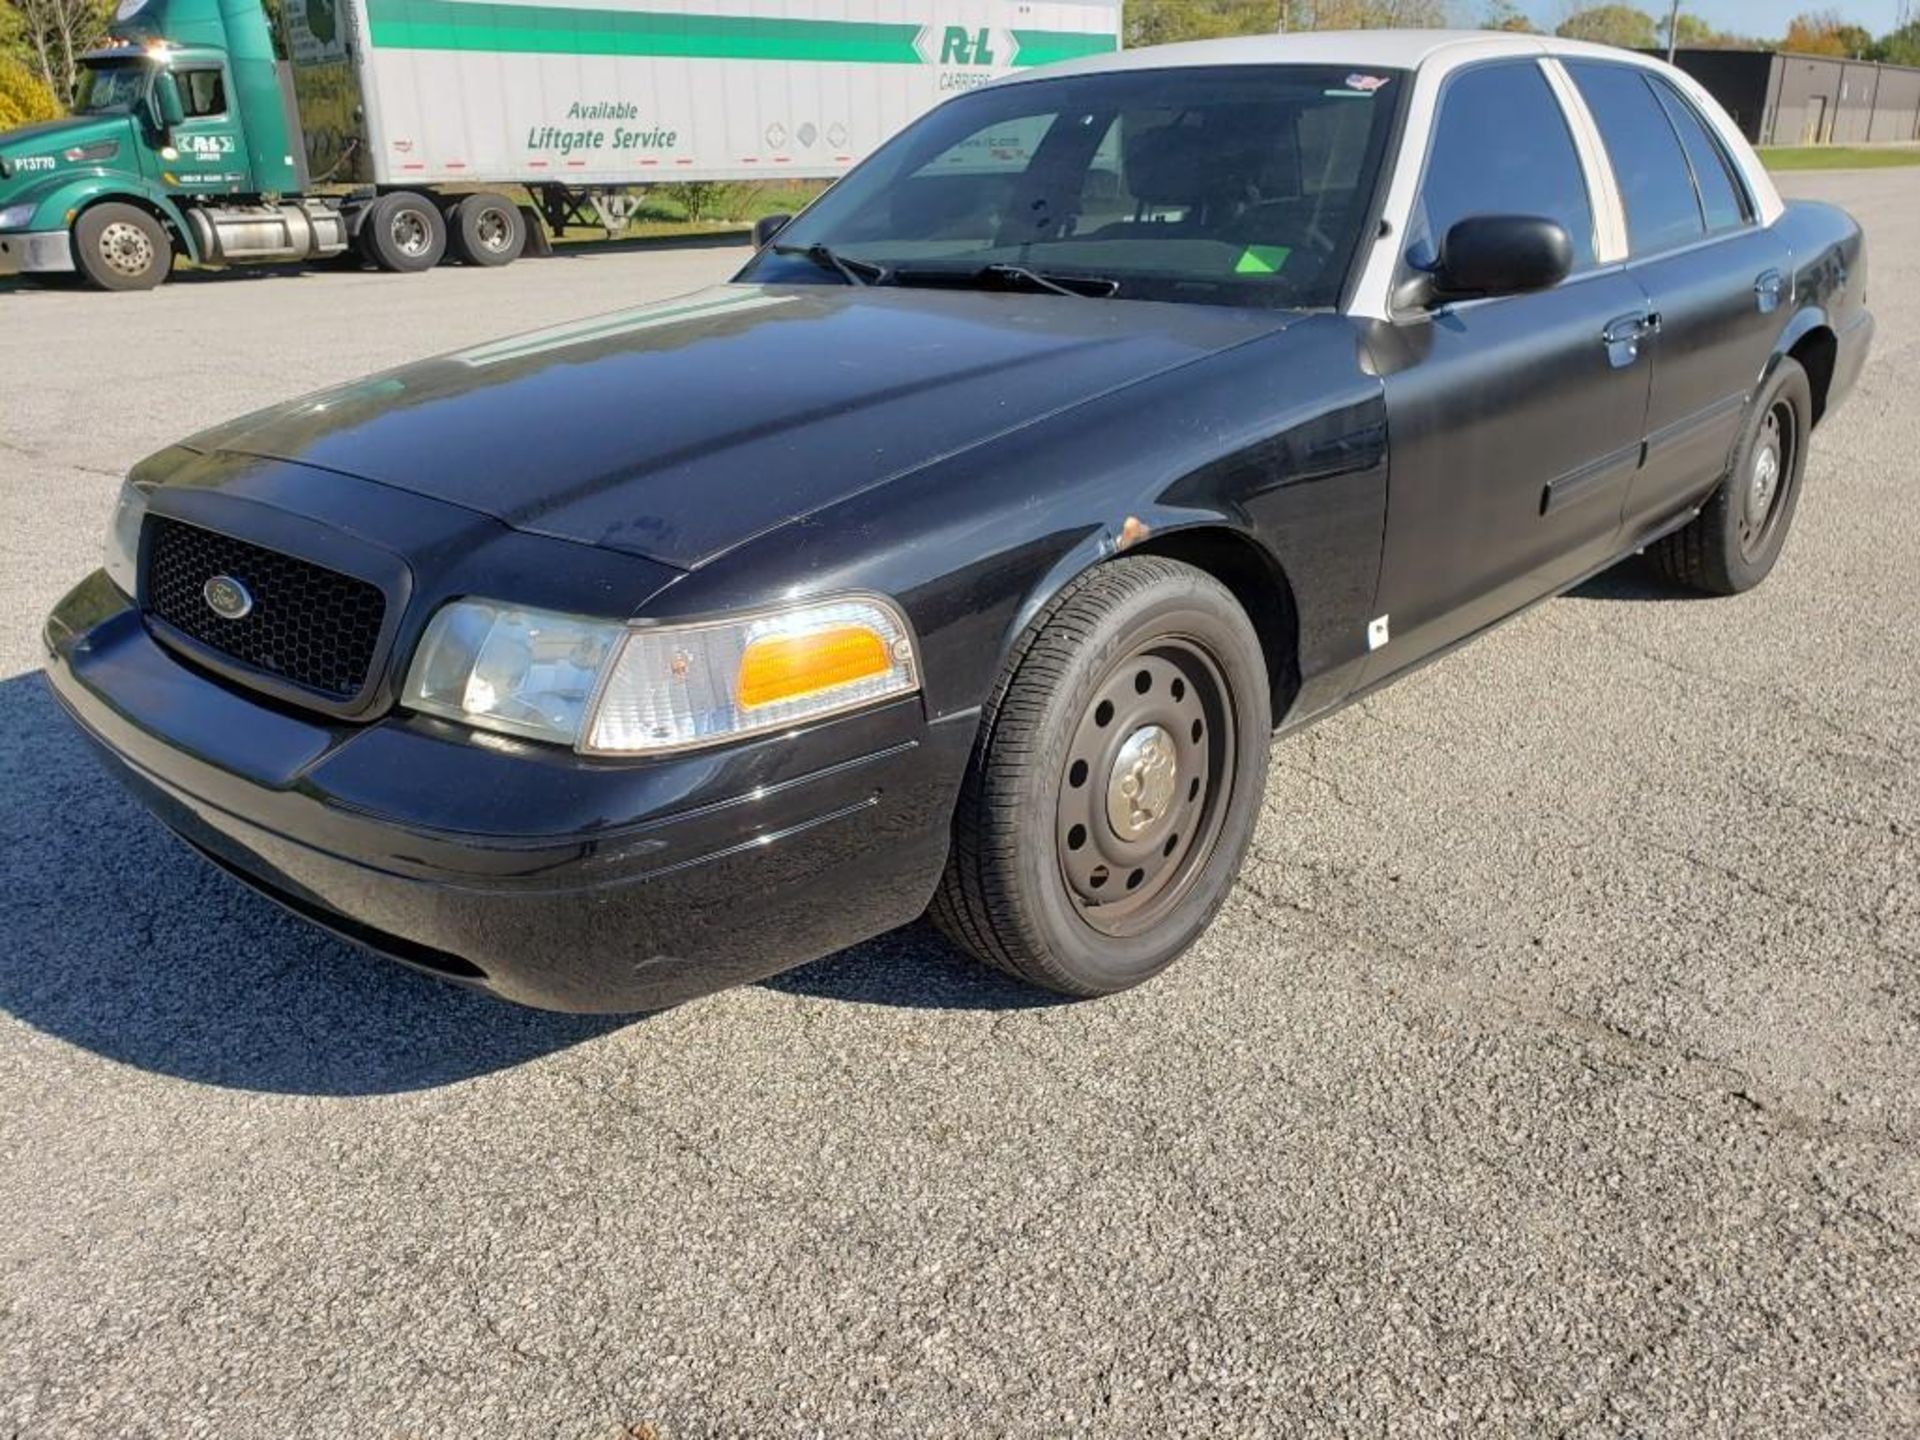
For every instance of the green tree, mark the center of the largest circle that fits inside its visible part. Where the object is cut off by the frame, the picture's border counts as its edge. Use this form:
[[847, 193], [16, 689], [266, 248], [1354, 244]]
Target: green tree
[[1693, 33], [1160, 22], [24, 96], [1902, 47], [1620, 25], [1506, 15], [1824, 32], [54, 33]]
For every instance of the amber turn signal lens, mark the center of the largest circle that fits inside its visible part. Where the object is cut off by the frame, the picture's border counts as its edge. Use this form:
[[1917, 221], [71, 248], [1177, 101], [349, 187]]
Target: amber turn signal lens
[[787, 667]]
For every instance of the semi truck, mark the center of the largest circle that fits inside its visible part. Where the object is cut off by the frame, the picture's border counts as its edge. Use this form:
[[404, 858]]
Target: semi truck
[[230, 132]]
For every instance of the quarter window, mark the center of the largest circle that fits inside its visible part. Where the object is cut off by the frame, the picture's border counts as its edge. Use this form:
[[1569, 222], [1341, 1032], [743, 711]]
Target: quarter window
[[1721, 196], [1656, 183], [1501, 146]]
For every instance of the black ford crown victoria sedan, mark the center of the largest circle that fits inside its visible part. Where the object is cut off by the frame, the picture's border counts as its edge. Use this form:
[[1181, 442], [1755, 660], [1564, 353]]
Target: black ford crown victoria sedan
[[968, 550]]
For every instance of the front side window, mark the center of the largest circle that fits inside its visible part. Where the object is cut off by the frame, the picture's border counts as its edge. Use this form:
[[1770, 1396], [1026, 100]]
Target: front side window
[[1722, 196], [1656, 183], [1501, 146], [1236, 186], [202, 93], [111, 88]]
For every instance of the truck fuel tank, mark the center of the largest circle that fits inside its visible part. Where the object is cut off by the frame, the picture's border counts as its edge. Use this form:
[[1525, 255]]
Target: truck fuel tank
[[244, 234]]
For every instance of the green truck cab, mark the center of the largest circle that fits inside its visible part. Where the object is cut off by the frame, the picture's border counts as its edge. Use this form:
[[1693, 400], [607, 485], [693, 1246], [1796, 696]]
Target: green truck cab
[[183, 141]]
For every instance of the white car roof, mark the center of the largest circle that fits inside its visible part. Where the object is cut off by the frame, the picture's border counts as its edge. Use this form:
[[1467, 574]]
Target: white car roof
[[1430, 56], [1383, 49]]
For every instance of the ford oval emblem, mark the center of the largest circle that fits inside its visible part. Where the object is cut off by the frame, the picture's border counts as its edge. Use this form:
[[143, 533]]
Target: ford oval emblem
[[227, 598]]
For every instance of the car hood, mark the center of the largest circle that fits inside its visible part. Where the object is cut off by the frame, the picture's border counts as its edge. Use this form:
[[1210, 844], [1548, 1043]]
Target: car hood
[[676, 431]]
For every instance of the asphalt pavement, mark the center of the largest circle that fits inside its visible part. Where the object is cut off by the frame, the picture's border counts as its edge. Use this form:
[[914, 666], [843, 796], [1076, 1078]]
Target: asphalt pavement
[[1556, 1067]]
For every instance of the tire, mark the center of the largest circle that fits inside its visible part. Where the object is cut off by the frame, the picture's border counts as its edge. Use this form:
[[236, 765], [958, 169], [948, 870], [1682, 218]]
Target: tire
[[404, 232], [122, 247], [487, 229], [1145, 673], [1732, 544]]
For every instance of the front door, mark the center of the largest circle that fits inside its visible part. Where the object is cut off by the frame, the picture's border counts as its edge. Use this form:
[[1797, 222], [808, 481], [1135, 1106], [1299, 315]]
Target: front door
[[1514, 423], [210, 152]]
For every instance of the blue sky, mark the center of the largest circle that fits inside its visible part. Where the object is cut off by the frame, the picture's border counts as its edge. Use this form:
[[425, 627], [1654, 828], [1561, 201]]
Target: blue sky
[[1748, 17]]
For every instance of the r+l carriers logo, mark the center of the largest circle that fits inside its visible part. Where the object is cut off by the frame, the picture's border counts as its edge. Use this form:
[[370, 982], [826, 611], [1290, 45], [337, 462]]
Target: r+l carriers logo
[[966, 57]]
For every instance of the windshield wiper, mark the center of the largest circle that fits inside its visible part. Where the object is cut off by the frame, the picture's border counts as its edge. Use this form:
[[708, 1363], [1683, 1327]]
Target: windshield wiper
[[855, 272], [1005, 276]]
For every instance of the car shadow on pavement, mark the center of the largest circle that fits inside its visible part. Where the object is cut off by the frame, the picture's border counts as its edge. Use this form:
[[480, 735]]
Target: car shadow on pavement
[[115, 937], [1633, 579], [916, 968]]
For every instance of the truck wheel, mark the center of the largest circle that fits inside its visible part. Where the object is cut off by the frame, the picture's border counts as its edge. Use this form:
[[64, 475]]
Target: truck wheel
[[122, 247], [1732, 543], [404, 233], [487, 230], [1114, 788]]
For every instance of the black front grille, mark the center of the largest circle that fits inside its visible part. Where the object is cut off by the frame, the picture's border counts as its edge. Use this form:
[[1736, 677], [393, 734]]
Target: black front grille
[[313, 626]]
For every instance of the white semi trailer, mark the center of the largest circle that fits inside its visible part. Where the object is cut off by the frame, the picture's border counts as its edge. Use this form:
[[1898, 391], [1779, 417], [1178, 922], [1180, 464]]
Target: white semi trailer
[[231, 131], [582, 101]]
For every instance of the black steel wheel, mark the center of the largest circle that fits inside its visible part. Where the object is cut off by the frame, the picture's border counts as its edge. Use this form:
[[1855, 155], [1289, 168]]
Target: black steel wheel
[[1763, 490], [1114, 789], [1732, 544]]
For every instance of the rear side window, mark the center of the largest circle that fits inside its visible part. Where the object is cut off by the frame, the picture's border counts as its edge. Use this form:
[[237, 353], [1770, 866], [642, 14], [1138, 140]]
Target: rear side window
[[1501, 146], [1656, 183], [1721, 197]]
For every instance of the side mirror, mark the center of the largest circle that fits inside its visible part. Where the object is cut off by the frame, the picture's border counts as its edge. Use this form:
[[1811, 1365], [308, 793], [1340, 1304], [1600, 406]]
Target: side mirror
[[1502, 255], [163, 102], [766, 227]]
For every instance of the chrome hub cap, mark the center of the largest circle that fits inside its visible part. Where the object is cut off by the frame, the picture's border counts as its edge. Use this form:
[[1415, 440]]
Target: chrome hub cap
[[1144, 791], [410, 233], [126, 248], [1767, 480], [1146, 776], [493, 230]]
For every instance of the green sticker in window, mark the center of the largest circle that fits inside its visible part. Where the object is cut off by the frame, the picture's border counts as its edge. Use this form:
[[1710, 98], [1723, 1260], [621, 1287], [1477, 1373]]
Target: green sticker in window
[[1262, 260]]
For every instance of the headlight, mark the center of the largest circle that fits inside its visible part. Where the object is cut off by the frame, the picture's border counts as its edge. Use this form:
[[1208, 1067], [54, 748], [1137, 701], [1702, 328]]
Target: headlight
[[122, 557], [17, 217], [501, 667], [613, 689]]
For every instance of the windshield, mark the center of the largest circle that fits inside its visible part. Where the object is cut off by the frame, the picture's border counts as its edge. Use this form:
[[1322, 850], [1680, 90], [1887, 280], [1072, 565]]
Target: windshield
[[112, 88], [1231, 186]]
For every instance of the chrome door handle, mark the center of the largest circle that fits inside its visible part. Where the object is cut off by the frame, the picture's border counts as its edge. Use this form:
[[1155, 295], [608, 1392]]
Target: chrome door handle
[[1623, 336]]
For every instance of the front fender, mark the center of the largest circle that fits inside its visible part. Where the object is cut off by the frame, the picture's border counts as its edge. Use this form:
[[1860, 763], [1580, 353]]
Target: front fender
[[59, 199], [1279, 444]]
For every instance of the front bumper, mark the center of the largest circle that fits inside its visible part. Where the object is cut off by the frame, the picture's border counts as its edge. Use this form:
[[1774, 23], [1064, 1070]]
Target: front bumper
[[35, 252], [541, 876]]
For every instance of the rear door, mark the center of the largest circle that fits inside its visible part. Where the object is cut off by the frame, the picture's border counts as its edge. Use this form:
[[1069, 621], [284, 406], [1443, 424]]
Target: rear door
[[1718, 281], [1515, 426]]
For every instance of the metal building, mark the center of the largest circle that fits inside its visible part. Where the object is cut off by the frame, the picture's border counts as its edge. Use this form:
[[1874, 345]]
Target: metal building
[[1781, 99]]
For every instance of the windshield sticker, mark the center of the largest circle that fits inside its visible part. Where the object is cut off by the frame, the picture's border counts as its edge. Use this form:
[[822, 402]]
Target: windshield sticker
[[1367, 84], [1262, 260]]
